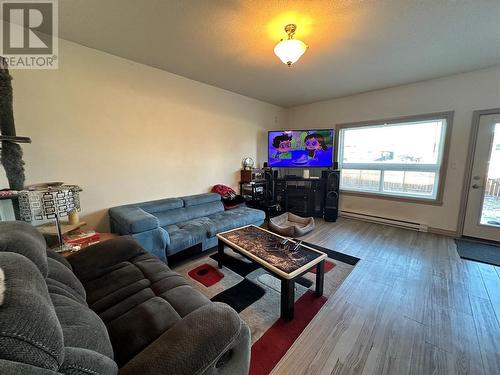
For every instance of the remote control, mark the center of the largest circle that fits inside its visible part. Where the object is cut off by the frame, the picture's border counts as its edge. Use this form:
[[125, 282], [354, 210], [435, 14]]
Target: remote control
[[297, 245]]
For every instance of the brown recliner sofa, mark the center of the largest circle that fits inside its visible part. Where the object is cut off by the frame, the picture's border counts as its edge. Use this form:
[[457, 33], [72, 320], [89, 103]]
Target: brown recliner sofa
[[110, 308]]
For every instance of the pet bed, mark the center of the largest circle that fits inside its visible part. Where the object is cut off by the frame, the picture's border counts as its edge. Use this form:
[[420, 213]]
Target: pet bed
[[291, 225]]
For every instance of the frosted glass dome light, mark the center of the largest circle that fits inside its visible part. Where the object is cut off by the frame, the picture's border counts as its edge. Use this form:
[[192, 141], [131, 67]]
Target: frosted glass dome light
[[290, 50]]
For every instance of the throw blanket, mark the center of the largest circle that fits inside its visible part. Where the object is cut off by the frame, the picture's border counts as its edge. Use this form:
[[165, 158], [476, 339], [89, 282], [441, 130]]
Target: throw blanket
[[229, 197]]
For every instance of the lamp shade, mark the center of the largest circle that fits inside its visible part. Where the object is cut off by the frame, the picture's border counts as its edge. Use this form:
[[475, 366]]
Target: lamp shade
[[48, 202], [290, 50]]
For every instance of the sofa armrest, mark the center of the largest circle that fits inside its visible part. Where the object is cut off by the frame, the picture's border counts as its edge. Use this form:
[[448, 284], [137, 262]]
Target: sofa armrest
[[210, 340], [133, 219], [97, 258], [155, 241]]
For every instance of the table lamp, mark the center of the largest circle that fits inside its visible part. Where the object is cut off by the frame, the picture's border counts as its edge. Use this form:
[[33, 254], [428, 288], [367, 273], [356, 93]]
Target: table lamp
[[49, 201]]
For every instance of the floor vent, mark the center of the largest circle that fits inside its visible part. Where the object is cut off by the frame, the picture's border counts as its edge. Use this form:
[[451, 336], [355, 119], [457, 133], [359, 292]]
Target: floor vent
[[386, 221]]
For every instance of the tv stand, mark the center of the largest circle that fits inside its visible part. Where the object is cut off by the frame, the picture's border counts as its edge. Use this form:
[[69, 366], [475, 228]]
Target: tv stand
[[317, 197], [313, 196]]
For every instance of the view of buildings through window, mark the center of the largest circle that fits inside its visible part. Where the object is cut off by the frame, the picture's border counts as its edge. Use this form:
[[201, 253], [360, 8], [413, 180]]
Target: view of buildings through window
[[394, 159]]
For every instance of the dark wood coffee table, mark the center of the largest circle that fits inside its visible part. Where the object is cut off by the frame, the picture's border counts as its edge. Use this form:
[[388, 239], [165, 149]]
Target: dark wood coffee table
[[264, 247]]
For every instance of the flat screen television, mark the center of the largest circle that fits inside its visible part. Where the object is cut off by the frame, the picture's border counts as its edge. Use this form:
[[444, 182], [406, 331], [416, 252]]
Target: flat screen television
[[300, 148]]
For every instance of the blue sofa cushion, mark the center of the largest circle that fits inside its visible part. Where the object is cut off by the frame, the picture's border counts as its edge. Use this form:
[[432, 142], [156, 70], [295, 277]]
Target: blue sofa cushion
[[133, 219], [195, 200], [187, 234], [161, 205], [181, 215], [234, 218]]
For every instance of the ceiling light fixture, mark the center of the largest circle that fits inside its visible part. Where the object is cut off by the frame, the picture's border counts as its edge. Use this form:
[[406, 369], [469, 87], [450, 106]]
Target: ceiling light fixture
[[290, 50]]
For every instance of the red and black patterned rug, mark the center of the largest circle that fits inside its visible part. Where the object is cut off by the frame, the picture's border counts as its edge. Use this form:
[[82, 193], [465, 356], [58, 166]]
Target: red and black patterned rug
[[255, 295]]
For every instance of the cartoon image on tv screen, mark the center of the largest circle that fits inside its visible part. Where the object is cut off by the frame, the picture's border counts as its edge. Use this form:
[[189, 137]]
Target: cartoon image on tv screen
[[311, 148], [283, 146]]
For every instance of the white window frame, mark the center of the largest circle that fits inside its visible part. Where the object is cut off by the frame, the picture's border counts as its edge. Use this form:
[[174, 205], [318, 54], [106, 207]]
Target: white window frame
[[439, 168]]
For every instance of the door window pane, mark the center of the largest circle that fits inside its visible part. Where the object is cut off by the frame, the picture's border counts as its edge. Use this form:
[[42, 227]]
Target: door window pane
[[490, 214]]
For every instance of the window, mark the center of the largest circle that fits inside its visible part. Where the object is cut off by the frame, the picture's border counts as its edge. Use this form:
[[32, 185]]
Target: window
[[396, 158]]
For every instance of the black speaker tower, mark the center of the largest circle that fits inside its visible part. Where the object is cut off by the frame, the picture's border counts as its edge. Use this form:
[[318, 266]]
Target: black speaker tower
[[331, 209]]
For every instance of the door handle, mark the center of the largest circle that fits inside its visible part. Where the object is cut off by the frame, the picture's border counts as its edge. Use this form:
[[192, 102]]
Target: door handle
[[476, 186]]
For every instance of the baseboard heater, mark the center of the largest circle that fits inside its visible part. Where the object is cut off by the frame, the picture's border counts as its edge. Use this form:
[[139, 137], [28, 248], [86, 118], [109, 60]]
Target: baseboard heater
[[386, 221]]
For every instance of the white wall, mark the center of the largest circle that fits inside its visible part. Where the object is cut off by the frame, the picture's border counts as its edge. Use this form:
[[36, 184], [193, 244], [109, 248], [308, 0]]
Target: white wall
[[462, 93], [126, 132]]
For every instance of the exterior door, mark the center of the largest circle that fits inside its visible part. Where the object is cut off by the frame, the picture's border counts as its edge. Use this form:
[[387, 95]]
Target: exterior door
[[482, 216]]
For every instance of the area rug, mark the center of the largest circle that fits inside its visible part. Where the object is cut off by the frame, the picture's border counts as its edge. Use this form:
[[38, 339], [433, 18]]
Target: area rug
[[273, 345], [328, 267], [255, 295], [206, 274], [480, 252]]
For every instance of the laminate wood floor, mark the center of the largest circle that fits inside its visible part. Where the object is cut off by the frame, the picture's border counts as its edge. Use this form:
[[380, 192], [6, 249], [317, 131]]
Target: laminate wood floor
[[410, 306]]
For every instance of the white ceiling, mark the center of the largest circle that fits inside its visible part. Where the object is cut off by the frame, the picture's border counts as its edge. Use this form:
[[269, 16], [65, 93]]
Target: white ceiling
[[354, 46]]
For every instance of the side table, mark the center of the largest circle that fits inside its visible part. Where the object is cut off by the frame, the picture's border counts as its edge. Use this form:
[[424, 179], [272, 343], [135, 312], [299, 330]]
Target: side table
[[102, 237]]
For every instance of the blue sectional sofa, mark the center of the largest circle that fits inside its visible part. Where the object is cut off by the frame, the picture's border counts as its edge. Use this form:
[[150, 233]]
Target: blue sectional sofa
[[168, 226]]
